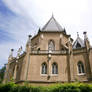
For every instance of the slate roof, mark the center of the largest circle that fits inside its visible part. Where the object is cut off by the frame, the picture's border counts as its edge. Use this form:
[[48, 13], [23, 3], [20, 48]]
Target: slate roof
[[80, 42], [52, 25]]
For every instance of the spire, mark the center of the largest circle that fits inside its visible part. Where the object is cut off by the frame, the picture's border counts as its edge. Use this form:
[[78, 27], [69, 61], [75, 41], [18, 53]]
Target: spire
[[52, 15], [77, 34]]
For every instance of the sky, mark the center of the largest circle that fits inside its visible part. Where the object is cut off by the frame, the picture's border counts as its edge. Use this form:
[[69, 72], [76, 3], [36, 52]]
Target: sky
[[19, 18]]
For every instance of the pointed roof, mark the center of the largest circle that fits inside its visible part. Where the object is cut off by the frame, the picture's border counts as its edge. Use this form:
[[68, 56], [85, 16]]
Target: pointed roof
[[79, 43], [52, 25]]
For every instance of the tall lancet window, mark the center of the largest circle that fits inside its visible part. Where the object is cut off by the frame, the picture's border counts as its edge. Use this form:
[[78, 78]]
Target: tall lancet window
[[44, 68], [51, 45], [80, 68], [54, 68]]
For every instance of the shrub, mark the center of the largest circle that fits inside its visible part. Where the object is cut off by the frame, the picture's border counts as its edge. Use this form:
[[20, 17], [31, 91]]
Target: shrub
[[35, 89], [66, 87], [85, 88], [5, 88]]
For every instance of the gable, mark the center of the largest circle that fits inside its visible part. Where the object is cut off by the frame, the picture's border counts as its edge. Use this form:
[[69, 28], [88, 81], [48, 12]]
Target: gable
[[79, 43]]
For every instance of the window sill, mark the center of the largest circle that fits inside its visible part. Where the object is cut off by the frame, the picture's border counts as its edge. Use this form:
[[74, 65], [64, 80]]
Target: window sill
[[82, 74], [44, 75], [54, 74]]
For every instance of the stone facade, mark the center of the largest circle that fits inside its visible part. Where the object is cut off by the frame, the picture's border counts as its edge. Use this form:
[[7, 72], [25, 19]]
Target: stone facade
[[51, 56]]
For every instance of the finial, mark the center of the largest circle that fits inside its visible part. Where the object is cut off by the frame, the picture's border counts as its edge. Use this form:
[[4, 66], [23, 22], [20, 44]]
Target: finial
[[11, 54], [29, 36], [29, 40], [84, 32], [64, 30], [77, 34], [12, 50], [52, 14], [85, 35], [19, 52]]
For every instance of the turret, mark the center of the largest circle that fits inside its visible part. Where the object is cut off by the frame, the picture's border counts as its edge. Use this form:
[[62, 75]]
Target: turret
[[86, 41], [28, 45], [11, 55]]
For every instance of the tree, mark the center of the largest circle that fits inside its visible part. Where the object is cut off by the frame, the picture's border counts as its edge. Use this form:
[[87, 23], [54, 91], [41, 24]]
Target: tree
[[2, 71]]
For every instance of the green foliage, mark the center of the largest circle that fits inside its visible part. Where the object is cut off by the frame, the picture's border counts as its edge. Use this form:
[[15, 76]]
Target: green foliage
[[20, 89], [2, 71], [6, 87], [65, 87]]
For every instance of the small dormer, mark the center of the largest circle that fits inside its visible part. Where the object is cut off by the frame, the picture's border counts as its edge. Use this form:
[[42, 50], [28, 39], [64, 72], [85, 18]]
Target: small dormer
[[79, 43]]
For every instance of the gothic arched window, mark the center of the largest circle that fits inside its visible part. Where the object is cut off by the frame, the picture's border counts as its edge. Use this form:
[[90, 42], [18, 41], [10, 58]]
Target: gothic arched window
[[44, 68], [80, 68], [51, 45], [54, 68]]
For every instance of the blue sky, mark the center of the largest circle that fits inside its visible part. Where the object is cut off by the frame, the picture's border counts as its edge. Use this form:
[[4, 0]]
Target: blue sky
[[13, 27], [5, 13], [19, 18]]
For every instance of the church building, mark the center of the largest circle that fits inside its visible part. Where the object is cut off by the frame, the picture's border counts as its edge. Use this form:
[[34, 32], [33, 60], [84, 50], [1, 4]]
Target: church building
[[51, 56]]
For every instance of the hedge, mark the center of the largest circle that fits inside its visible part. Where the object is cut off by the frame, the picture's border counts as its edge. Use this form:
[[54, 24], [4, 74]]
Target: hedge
[[65, 87]]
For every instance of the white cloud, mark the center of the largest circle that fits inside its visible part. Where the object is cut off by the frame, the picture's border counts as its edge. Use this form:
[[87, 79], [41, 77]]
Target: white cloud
[[74, 15], [67, 11]]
